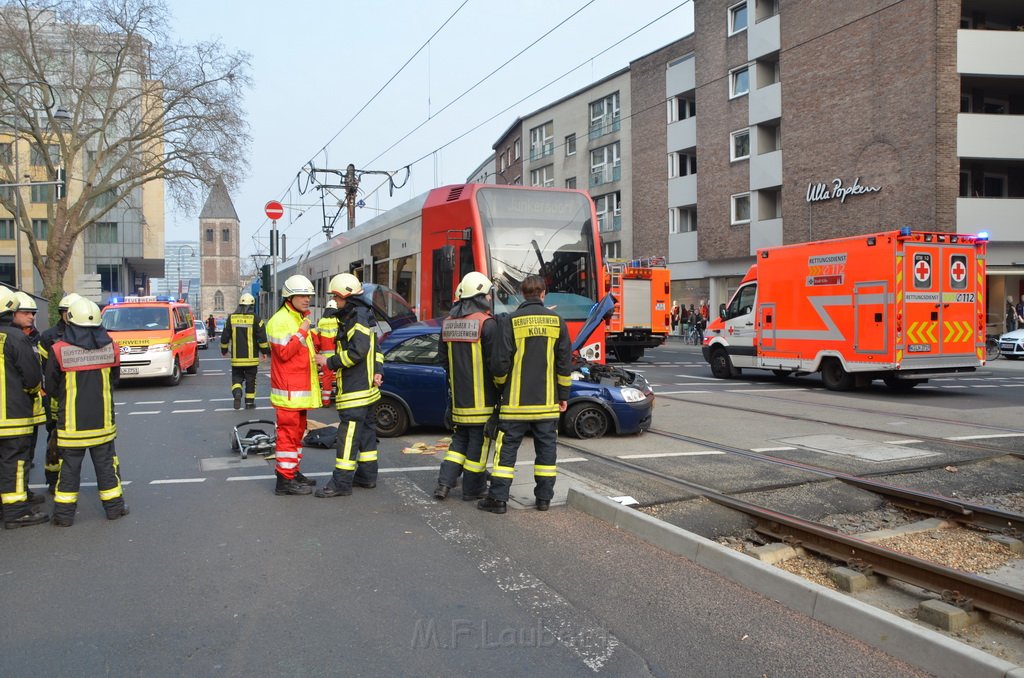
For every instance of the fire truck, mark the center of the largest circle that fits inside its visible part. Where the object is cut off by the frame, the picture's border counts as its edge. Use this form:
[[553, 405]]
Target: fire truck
[[900, 306], [641, 316]]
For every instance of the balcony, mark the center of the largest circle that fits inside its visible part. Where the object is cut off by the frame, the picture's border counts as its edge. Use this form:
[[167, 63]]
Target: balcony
[[998, 53], [680, 76], [765, 233], [999, 216], [682, 247], [682, 191], [609, 224], [605, 175], [763, 37], [682, 134], [765, 170], [765, 103], [602, 127], [990, 136]]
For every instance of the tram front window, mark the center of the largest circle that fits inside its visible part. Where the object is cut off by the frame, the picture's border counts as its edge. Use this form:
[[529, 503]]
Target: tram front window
[[545, 233]]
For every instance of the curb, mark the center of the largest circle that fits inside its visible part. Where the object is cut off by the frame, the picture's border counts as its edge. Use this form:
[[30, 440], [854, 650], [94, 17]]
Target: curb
[[921, 647]]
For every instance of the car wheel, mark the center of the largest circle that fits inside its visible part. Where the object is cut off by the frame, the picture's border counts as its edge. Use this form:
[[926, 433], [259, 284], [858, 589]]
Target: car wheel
[[586, 420], [175, 377], [391, 417], [835, 377], [721, 365], [194, 367]]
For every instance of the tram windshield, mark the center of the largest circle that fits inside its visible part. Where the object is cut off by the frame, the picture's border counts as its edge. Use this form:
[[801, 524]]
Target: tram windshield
[[546, 233]]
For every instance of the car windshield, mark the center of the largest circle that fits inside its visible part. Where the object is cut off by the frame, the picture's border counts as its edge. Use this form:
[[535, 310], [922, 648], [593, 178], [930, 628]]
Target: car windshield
[[546, 233], [419, 350], [127, 318]]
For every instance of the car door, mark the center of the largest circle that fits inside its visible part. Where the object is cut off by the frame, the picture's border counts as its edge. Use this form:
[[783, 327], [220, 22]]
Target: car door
[[412, 374]]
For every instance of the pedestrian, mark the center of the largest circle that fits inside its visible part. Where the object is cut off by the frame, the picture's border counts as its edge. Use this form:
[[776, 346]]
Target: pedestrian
[[25, 318], [22, 380], [247, 337], [1011, 315], [294, 389], [533, 373], [47, 339], [211, 326], [469, 348], [79, 374], [1020, 312], [357, 364], [324, 336], [674, 314], [704, 312], [684, 320]]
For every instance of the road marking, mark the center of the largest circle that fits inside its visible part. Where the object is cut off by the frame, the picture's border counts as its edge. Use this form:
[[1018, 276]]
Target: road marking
[[694, 376], [906, 441], [679, 392], [771, 449], [145, 412], [195, 400], [944, 386], [764, 390], [658, 455], [224, 409], [186, 411], [151, 402], [177, 481], [989, 435], [40, 486]]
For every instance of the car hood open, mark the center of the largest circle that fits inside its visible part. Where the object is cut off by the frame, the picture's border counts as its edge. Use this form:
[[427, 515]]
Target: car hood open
[[594, 318]]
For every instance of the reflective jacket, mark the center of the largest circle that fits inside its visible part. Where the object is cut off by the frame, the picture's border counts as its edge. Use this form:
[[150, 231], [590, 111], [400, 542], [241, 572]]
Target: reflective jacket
[[534, 363], [356, 358], [78, 375], [20, 382], [38, 410], [327, 332], [50, 336], [469, 342], [293, 379], [248, 338]]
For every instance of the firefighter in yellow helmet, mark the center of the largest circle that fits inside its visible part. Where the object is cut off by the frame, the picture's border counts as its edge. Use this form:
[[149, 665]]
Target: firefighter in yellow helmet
[[47, 339], [22, 379], [247, 338], [469, 343], [326, 333], [25, 318], [357, 365], [294, 388]]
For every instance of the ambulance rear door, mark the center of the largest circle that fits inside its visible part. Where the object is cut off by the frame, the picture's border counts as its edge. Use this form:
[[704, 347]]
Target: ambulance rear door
[[939, 300]]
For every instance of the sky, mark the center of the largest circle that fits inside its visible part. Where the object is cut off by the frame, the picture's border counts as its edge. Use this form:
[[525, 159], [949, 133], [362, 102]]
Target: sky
[[315, 64]]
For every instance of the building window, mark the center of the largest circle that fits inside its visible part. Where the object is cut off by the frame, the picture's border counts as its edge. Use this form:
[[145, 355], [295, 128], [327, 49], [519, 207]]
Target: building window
[[605, 164], [739, 147], [501, 162], [518, 148], [7, 270], [604, 116], [570, 182], [545, 176], [218, 301], [104, 232], [36, 158], [6, 229], [611, 250], [738, 18], [40, 194], [609, 212], [994, 106], [769, 138], [209, 235], [994, 185], [965, 183], [682, 219], [225, 235], [740, 208], [769, 204], [542, 141], [41, 229], [104, 199], [110, 277], [570, 145], [765, 9], [682, 164], [518, 181], [681, 107], [6, 155], [739, 82]]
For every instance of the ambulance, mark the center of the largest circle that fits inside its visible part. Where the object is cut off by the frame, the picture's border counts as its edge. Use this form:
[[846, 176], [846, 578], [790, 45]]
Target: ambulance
[[900, 306], [157, 336]]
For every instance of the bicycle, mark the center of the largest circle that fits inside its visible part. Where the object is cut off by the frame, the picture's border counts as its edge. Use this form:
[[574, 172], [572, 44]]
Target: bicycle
[[695, 334], [992, 350]]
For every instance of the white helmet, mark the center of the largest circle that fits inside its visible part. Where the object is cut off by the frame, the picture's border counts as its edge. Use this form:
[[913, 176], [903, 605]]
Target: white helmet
[[67, 300], [9, 301], [331, 303], [247, 299], [473, 283], [297, 285], [345, 284], [84, 313], [26, 302]]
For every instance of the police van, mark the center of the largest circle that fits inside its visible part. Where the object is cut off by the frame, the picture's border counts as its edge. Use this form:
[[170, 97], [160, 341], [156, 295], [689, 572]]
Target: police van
[[157, 337]]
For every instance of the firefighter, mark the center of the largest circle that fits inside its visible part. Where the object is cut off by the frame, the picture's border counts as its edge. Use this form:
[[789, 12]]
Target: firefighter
[[47, 339], [25, 318], [248, 339], [79, 374], [469, 341], [357, 365], [294, 388], [326, 332], [533, 370], [22, 379]]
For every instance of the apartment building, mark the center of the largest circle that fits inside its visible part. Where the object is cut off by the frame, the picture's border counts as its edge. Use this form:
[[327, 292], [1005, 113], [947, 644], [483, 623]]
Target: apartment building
[[790, 121]]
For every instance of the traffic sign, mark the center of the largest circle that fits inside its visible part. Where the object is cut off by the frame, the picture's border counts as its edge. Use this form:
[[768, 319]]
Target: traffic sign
[[274, 210]]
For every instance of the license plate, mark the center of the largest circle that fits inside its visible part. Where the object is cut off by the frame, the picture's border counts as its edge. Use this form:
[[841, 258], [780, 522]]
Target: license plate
[[129, 370]]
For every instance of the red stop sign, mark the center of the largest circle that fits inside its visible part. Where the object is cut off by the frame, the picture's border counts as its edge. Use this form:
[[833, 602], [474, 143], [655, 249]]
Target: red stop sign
[[274, 210]]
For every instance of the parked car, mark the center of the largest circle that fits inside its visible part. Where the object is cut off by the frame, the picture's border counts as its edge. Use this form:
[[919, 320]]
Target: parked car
[[1011, 344], [219, 324], [202, 340], [602, 398]]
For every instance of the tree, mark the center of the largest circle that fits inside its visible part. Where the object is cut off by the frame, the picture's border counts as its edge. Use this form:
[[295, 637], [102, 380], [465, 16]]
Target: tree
[[143, 109]]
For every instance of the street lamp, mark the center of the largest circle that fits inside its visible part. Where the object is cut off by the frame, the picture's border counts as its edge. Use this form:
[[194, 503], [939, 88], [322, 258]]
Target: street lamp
[[193, 253]]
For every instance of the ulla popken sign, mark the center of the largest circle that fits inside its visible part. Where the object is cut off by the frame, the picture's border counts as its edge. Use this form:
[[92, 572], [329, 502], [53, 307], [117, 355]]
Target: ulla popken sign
[[817, 192]]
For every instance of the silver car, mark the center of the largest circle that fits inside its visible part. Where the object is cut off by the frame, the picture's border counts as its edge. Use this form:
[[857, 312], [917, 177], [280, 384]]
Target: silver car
[[1011, 344], [202, 340]]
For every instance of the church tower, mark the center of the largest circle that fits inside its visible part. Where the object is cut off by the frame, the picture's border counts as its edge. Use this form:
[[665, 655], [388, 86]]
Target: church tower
[[219, 253]]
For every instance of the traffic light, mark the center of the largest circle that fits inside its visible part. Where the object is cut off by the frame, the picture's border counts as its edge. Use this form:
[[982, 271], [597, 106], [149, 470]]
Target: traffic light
[[62, 183], [265, 281]]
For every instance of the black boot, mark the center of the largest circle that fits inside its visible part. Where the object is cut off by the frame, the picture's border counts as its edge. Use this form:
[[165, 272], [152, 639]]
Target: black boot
[[31, 518], [543, 504], [491, 505], [250, 404], [114, 514], [237, 395], [330, 490], [286, 486], [441, 491], [304, 480]]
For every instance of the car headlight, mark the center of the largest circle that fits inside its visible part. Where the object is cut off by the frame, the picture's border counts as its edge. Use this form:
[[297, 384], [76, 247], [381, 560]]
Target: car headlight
[[632, 395], [157, 348]]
